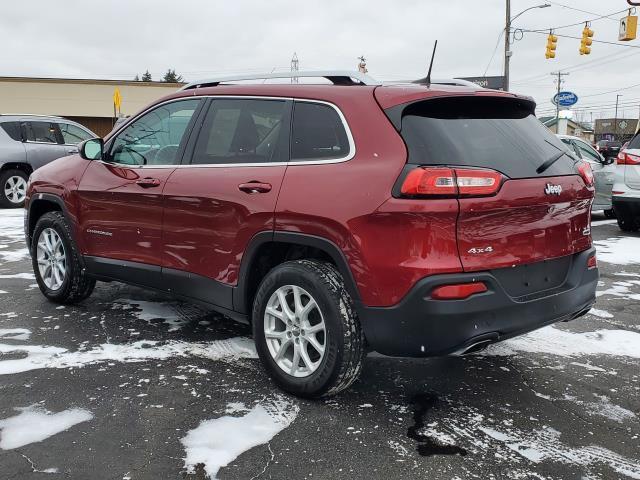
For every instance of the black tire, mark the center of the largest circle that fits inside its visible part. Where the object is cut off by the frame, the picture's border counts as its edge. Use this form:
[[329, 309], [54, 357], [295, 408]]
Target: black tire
[[77, 285], [4, 177], [627, 221], [610, 213], [344, 339]]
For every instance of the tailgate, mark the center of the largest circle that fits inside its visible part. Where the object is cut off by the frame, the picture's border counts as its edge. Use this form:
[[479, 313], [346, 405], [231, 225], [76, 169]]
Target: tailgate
[[522, 224], [541, 208]]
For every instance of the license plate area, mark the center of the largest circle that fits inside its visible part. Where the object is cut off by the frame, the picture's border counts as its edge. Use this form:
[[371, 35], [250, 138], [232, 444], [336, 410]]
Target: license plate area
[[528, 279]]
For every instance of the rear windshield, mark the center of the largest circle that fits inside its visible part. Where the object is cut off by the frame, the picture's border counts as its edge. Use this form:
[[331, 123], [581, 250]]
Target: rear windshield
[[497, 133], [635, 142]]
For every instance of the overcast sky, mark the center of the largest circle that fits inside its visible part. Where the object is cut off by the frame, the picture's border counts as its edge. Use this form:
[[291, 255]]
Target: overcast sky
[[118, 39]]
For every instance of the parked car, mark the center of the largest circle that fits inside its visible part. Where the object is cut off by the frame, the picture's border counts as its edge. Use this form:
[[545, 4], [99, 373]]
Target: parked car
[[626, 189], [608, 148], [411, 220], [28, 142], [604, 170]]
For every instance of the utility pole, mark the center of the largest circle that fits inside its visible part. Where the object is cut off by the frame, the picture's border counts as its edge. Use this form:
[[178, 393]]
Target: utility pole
[[507, 48], [559, 81], [615, 126], [294, 67]]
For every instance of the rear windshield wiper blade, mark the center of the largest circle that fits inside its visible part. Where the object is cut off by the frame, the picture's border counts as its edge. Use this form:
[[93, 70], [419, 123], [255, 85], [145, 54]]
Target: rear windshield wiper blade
[[551, 161]]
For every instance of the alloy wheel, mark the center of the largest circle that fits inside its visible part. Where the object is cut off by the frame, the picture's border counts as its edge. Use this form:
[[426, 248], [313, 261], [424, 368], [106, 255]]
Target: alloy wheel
[[52, 260], [295, 331], [15, 189]]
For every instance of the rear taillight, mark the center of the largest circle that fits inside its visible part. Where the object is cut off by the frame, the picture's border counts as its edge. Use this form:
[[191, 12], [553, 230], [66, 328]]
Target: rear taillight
[[625, 158], [592, 262], [584, 169], [458, 292], [451, 182]]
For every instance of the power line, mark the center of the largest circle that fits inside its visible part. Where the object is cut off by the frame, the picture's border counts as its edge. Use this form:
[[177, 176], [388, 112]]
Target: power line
[[546, 30], [612, 91], [579, 10], [580, 38]]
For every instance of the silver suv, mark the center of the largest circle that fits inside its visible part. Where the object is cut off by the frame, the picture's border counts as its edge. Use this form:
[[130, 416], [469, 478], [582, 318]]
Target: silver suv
[[28, 142]]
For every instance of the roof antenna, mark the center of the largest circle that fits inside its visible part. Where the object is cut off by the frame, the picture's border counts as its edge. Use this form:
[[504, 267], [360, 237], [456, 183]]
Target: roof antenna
[[433, 55]]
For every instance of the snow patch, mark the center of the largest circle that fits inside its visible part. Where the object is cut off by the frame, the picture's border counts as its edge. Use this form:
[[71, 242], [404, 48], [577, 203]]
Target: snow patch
[[38, 357], [600, 313], [217, 442], [14, 255], [553, 341], [24, 276], [619, 250], [33, 424], [15, 333]]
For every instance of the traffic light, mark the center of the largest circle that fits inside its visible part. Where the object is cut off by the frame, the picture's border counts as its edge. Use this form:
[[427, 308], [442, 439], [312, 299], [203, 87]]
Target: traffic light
[[585, 43], [552, 41]]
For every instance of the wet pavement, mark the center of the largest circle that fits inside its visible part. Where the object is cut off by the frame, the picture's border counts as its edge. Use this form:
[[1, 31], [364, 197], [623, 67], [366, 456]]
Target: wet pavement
[[135, 385]]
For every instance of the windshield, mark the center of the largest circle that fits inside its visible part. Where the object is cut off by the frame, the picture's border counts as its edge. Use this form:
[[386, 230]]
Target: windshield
[[498, 133]]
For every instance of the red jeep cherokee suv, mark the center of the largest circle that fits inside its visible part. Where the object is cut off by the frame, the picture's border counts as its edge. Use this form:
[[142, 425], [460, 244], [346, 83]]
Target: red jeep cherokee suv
[[413, 220]]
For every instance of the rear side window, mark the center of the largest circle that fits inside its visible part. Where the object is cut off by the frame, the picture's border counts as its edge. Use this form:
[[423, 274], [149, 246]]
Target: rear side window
[[242, 131], [317, 133], [496, 133], [12, 129], [42, 132], [73, 135]]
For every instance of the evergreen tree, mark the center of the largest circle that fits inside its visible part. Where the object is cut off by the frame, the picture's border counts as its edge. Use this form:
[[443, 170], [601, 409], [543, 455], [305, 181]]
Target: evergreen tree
[[136, 78], [172, 76], [146, 76]]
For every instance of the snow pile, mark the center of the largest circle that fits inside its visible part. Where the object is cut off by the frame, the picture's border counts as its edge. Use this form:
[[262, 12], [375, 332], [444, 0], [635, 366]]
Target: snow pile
[[619, 250], [217, 442], [38, 356], [553, 341], [34, 424]]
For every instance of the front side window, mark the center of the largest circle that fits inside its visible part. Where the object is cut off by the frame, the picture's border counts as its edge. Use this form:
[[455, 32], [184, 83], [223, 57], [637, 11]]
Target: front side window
[[242, 131], [42, 132], [317, 133], [73, 135], [154, 138]]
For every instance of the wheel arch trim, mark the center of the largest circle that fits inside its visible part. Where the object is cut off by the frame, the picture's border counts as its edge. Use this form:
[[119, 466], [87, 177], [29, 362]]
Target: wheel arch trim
[[293, 238]]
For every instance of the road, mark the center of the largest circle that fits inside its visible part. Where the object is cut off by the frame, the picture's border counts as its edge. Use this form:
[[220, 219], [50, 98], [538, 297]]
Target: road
[[134, 385]]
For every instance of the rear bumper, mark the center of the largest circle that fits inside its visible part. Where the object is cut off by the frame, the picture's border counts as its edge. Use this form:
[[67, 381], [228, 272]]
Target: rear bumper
[[419, 326]]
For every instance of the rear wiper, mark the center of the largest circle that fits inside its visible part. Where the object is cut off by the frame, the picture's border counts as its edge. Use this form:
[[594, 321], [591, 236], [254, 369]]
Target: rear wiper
[[553, 159]]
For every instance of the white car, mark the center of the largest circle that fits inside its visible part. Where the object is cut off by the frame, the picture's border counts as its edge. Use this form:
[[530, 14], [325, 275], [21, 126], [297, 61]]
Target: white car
[[626, 189], [604, 171]]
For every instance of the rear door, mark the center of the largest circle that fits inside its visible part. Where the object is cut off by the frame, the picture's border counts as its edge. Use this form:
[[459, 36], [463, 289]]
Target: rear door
[[43, 142], [536, 215], [228, 193]]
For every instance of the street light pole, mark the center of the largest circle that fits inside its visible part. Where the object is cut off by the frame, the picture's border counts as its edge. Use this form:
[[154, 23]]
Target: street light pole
[[507, 37]]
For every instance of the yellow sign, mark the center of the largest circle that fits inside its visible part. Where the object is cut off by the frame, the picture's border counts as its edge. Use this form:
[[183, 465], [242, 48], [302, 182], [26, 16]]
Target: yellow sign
[[628, 28], [117, 99]]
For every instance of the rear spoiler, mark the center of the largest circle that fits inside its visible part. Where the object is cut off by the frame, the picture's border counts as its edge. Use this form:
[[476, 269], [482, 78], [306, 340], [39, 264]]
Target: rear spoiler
[[395, 113]]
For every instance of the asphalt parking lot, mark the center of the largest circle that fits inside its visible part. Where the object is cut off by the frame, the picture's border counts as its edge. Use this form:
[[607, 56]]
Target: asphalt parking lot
[[134, 385]]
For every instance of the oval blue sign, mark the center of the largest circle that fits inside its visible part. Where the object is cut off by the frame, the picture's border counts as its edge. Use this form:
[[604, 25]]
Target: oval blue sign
[[565, 99]]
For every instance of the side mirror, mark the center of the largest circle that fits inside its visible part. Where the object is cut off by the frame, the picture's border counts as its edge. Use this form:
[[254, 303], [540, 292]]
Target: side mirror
[[91, 149], [608, 161]]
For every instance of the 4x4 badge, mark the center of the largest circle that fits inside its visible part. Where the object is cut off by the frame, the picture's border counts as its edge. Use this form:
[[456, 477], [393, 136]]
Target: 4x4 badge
[[552, 189]]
